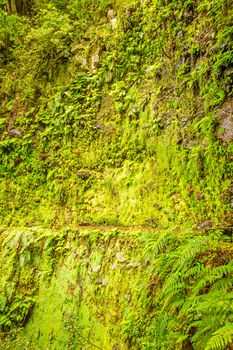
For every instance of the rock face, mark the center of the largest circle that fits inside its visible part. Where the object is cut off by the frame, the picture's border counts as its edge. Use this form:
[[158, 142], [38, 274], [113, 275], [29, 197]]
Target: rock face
[[84, 174], [116, 114], [95, 282], [15, 133], [112, 18], [227, 125], [133, 93], [225, 116], [73, 288], [95, 59]]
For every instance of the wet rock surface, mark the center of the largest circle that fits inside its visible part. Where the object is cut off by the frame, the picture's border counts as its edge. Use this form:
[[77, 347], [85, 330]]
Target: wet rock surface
[[225, 117]]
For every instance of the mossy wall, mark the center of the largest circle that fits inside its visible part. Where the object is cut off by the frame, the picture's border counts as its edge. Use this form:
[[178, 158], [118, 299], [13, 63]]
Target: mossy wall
[[115, 289], [125, 122], [116, 113]]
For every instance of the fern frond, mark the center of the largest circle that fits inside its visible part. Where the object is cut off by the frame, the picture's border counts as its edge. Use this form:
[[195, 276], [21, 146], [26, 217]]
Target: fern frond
[[223, 285], [212, 276], [157, 244], [189, 252], [221, 338], [198, 269]]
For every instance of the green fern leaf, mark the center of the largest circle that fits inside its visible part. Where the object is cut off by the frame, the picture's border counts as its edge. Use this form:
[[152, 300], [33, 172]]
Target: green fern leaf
[[221, 338]]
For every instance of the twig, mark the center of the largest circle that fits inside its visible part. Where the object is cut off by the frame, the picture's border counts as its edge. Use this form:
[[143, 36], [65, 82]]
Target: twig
[[164, 51], [88, 341]]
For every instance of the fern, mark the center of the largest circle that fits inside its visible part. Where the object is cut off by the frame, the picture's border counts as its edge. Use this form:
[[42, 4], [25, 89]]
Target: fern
[[211, 277], [221, 338], [189, 252], [193, 296], [195, 271], [157, 244], [223, 285]]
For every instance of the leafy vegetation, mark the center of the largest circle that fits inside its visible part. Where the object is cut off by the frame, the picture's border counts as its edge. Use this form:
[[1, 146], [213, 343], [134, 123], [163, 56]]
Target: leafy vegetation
[[161, 290], [145, 116], [116, 113]]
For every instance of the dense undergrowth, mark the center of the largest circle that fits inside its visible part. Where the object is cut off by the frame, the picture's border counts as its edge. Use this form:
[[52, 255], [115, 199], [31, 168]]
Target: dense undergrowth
[[128, 289], [116, 113], [125, 122]]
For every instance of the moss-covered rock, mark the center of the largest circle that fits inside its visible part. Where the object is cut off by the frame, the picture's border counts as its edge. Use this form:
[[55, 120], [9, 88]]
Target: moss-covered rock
[[118, 114], [147, 120], [115, 288]]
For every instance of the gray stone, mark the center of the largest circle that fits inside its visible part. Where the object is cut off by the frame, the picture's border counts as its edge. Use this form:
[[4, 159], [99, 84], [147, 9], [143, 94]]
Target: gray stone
[[133, 264], [135, 111], [15, 133], [120, 257], [96, 268], [114, 266]]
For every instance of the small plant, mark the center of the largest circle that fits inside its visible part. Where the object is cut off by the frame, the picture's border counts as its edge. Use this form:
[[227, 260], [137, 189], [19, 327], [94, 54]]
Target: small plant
[[15, 314]]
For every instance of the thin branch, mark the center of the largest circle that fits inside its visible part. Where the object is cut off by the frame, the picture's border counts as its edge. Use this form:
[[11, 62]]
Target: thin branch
[[164, 51], [80, 335]]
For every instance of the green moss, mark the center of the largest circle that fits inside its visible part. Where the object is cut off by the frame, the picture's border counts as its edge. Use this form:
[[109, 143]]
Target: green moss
[[125, 125], [109, 287]]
